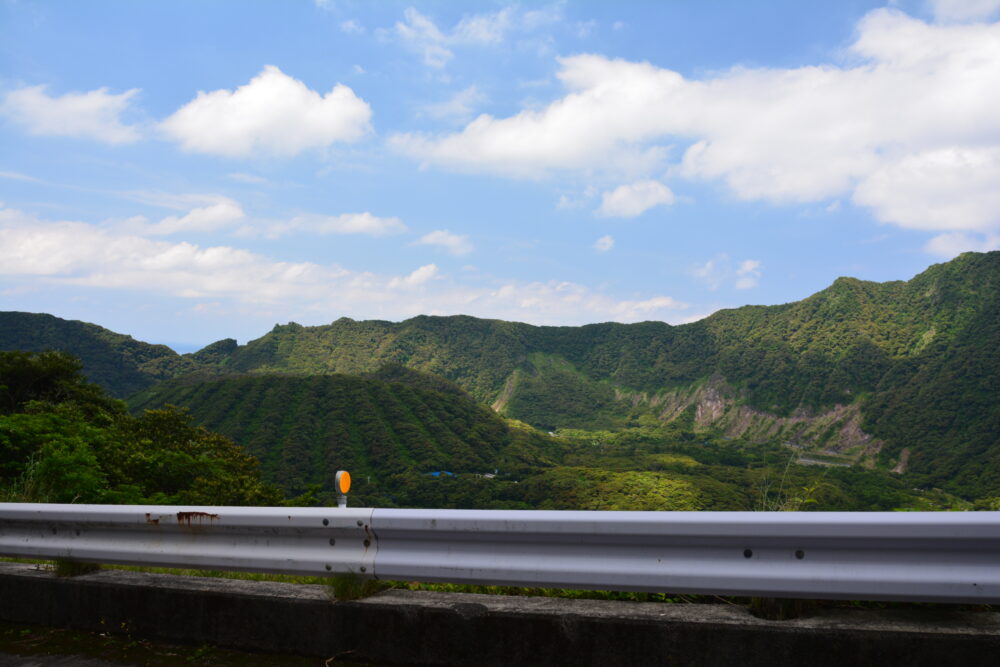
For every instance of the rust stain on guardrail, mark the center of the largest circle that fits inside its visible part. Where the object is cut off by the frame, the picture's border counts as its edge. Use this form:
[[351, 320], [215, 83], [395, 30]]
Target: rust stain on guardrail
[[189, 518]]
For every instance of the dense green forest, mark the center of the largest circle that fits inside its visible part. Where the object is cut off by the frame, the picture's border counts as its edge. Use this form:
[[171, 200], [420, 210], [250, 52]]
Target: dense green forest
[[63, 439], [120, 364], [394, 422], [412, 439], [897, 376]]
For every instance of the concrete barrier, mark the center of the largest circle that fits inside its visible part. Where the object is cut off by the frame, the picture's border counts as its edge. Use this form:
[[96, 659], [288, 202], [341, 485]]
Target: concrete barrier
[[409, 627]]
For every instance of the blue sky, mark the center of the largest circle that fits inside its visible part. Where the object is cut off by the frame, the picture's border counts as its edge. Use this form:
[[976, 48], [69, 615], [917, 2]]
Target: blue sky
[[187, 171]]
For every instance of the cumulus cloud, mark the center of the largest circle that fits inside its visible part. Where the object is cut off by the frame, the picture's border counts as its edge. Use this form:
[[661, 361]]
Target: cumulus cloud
[[604, 244], [456, 244], [629, 201], [95, 114], [951, 188], [422, 35], [917, 101], [65, 254], [274, 114]]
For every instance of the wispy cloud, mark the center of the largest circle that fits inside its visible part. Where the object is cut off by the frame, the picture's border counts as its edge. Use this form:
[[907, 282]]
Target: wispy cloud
[[722, 271], [435, 45], [246, 178], [604, 244], [17, 176], [352, 26], [459, 106], [364, 223], [964, 10], [456, 244], [95, 114]]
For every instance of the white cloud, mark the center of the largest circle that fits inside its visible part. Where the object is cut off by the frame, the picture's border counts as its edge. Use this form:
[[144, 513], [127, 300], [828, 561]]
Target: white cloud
[[273, 114], [964, 10], [75, 253], [629, 201], [916, 98], [456, 244], [63, 255], [201, 213], [721, 271], [418, 277], [422, 35], [215, 216], [95, 114], [941, 189], [484, 28], [566, 302], [459, 106], [345, 223], [604, 244], [953, 244], [713, 271], [748, 274]]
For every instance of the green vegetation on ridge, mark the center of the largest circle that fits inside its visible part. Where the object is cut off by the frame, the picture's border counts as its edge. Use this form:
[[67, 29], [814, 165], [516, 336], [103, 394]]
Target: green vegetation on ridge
[[916, 362], [303, 429], [64, 440]]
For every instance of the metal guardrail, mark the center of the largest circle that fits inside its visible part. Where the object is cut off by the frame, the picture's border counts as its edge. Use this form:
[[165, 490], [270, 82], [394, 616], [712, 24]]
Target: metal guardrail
[[916, 556]]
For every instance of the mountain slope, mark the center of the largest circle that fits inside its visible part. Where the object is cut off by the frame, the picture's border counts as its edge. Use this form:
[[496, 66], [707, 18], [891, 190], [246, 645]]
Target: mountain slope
[[303, 429], [119, 363], [902, 373]]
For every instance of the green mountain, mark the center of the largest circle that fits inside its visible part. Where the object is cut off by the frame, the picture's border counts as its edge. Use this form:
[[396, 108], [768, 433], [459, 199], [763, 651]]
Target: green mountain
[[901, 375], [119, 363]]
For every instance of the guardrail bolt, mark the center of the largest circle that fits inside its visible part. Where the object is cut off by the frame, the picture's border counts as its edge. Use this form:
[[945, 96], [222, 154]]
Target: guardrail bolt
[[328, 567], [332, 542], [800, 554], [748, 553], [326, 522]]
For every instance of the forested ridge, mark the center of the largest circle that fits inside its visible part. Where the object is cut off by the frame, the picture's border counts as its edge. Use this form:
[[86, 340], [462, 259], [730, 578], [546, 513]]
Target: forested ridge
[[901, 375], [395, 422]]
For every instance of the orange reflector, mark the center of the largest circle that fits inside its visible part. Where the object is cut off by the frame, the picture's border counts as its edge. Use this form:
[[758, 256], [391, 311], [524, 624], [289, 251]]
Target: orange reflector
[[343, 481]]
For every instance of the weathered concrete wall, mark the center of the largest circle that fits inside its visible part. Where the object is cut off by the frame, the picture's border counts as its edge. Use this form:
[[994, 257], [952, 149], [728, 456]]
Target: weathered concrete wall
[[407, 627]]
